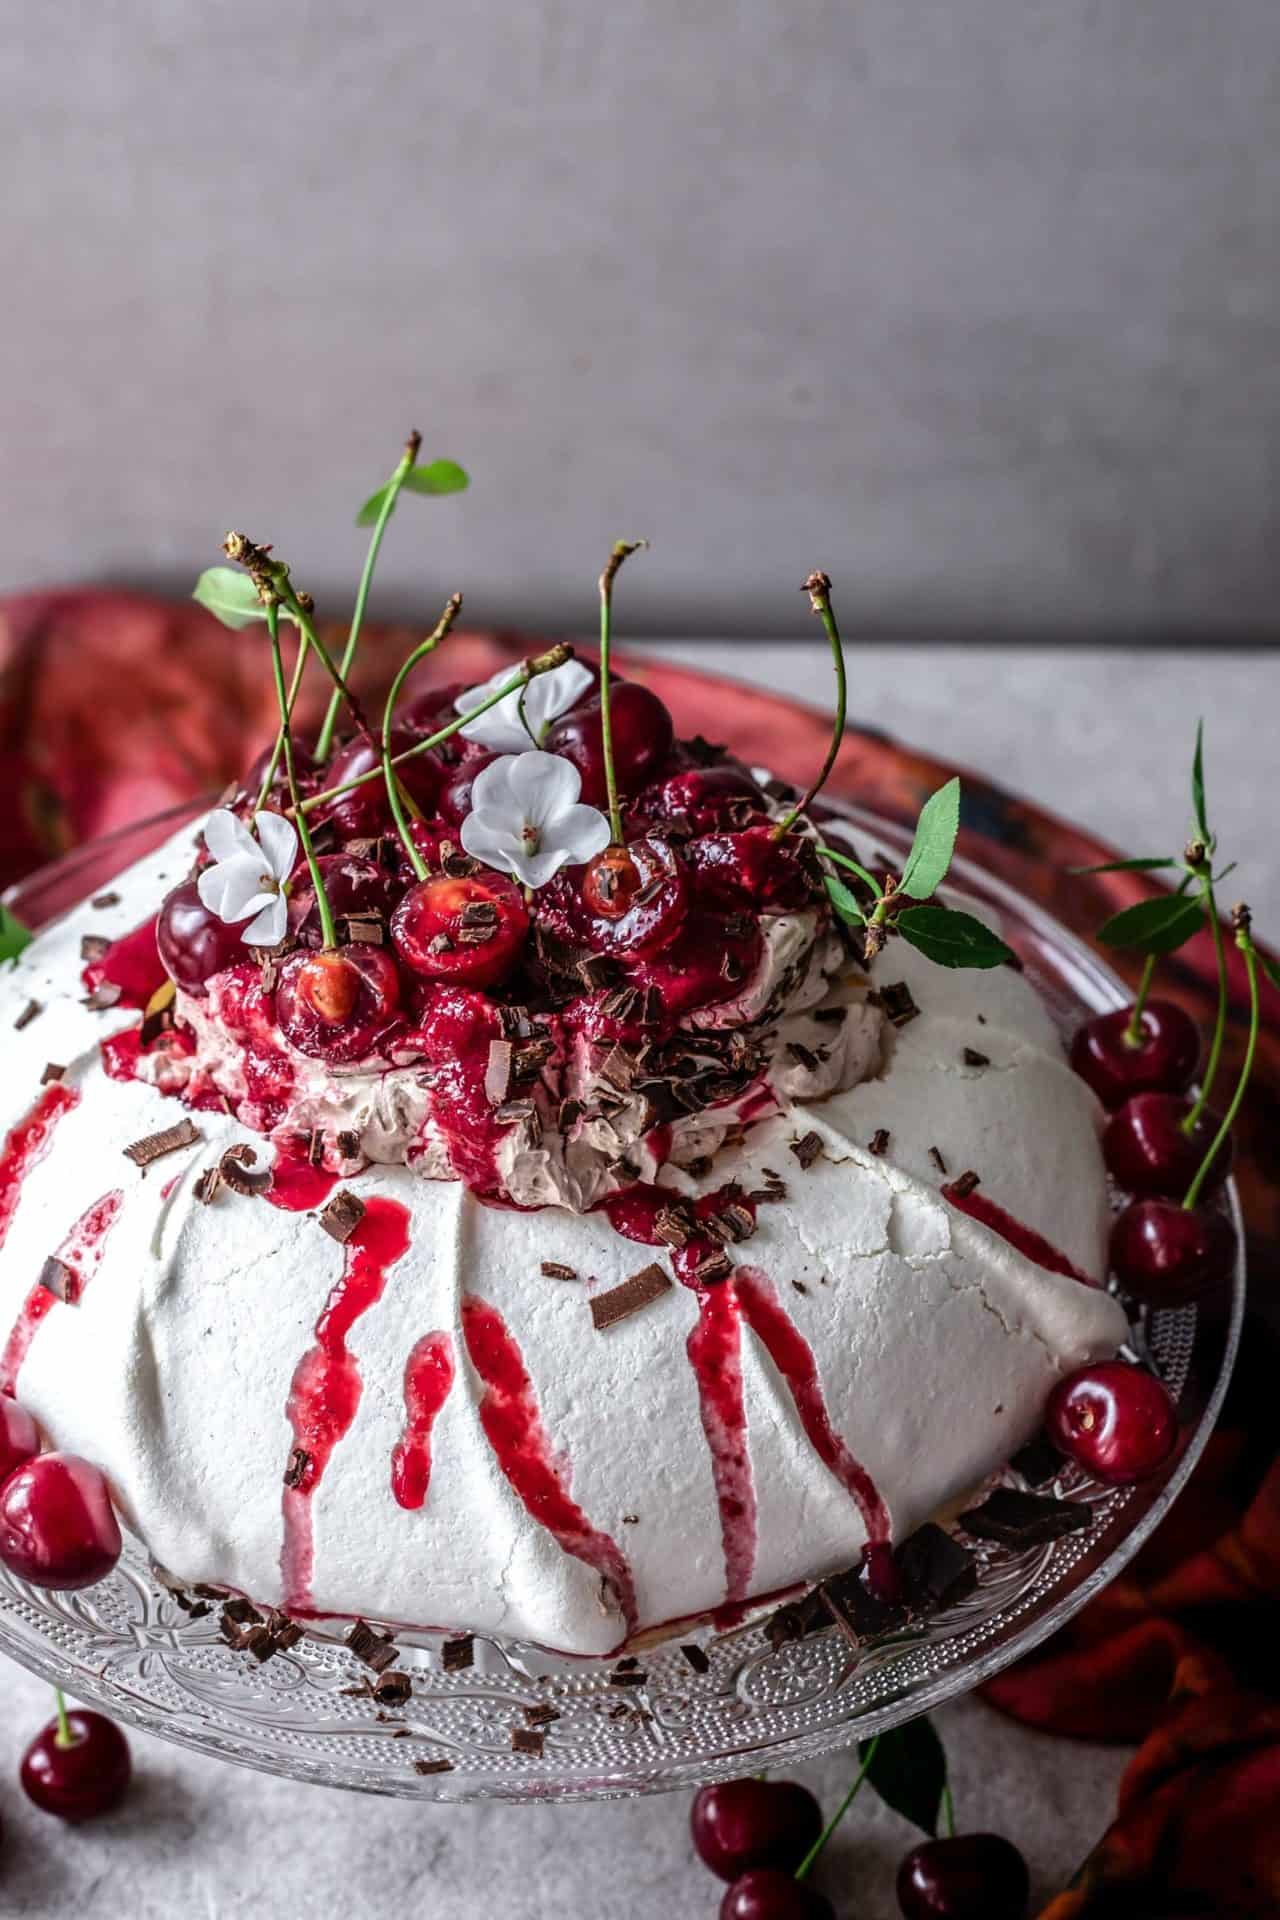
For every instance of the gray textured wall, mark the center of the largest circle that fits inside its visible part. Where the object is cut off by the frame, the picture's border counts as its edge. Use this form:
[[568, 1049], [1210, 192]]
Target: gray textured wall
[[974, 301]]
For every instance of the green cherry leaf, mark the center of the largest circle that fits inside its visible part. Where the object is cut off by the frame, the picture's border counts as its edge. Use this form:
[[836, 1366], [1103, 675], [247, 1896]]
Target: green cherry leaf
[[843, 901], [950, 938], [934, 844], [1154, 926], [1197, 787], [909, 1772], [843, 860], [230, 596], [1147, 863], [437, 476], [13, 935]]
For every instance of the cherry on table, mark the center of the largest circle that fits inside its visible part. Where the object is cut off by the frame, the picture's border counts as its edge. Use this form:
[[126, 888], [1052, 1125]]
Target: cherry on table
[[740, 1824], [766, 1894], [365, 810], [468, 928], [354, 885], [1115, 1420], [1147, 1149], [192, 942], [79, 1777], [970, 1876], [336, 1004], [19, 1436], [642, 732], [1167, 1255], [1162, 1060], [58, 1528]]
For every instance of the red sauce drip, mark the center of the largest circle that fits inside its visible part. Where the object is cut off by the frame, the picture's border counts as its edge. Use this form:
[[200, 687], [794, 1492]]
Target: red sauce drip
[[1041, 1252], [131, 963], [27, 1145], [513, 1426], [122, 1052], [325, 1392], [793, 1357], [456, 1029], [715, 1354], [81, 1253], [428, 1376], [297, 1186]]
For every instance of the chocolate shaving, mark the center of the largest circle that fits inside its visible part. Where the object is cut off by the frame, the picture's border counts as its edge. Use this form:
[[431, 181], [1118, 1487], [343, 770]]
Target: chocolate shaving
[[673, 1225], [540, 1715], [696, 1658], [156, 1145], [208, 1185], [896, 1000], [738, 1221], [557, 1270], [803, 1056], [628, 1673], [529, 1059], [457, 1655], [393, 1689], [348, 1143], [342, 1215], [1038, 1462], [94, 946], [30, 1012], [497, 1076], [62, 1281], [433, 1766], [375, 1650], [1017, 1519], [596, 971], [51, 1073], [937, 1160], [474, 936], [239, 1170], [440, 943], [105, 900], [105, 994], [829, 1016], [618, 1068], [296, 1471], [936, 1570], [458, 866], [715, 1266], [972, 1058], [963, 1185], [365, 929], [879, 1141], [530, 1740], [807, 1149], [479, 913], [855, 1609], [622, 1301]]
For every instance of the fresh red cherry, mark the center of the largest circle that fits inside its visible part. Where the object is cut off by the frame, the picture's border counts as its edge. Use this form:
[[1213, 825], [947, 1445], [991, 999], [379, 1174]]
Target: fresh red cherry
[[432, 709], [470, 929], [766, 1894], [630, 900], [454, 802], [304, 768], [77, 1778], [1147, 1150], [337, 1004], [1163, 1060], [739, 1824], [354, 885], [971, 1876], [365, 810], [19, 1436], [1115, 1420], [703, 798], [58, 1528], [642, 734], [193, 943], [1166, 1255], [752, 869]]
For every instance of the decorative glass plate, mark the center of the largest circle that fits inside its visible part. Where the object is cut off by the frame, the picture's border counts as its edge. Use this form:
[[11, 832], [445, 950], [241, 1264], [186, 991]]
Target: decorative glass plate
[[127, 1646]]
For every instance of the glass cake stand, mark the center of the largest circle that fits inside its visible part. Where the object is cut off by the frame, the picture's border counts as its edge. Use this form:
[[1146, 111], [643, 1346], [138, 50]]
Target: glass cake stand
[[126, 1646]]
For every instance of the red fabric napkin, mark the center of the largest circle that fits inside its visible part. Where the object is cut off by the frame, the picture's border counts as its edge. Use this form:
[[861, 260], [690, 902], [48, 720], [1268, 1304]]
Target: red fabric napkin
[[113, 706]]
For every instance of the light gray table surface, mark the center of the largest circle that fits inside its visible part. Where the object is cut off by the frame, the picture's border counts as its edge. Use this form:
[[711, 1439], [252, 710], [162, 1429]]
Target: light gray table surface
[[1103, 737]]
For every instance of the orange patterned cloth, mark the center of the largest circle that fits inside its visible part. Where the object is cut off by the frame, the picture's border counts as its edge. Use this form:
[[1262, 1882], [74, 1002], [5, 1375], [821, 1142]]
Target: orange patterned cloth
[[113, 706]]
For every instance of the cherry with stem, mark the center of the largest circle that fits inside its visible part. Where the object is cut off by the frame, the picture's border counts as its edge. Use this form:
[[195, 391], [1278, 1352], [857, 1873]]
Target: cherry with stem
[[272, 579], [868, 1759], [453, 608], [622, 550], [328, 932], [818, 588]]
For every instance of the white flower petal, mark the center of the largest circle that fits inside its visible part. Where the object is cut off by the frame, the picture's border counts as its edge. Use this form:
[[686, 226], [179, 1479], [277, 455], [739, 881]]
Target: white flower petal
[[583, 832], [491, 790], [226, 835], [551, 694], [486, 837], [542, 786], [270, 925], [279, 841], [546, 697], [537, 868], [233, 888]]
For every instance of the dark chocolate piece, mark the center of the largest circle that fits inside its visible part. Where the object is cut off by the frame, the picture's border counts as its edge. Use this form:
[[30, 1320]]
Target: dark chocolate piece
[[557, 1270], [497, 1077], [620, 1302], [393, 1688], [541, 1715], [342, 1215], [105, 900], [156, 1145], [376, 1650], [963, 1185], [1017, 1519], [879, 1140], [94, 946], [106, 994], [712, 1268], [239, 1170], [459, 1654], [433, 1766], [936, 1570], [938, 1160], [30, 1012], [972, 1058], [807, 1149], [365, 929], [53, 1071], [855, 1609], [62, 1281], [296, 1471], [898, 1004], [696, 1658], [1038, 1462], [530, 1740]]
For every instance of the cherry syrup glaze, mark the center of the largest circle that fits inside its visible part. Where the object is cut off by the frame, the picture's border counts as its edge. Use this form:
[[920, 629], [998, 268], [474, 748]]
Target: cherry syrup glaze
[[750, 869], [297, 1186], [1033, 1245], [325, 1393], [28, 1143], [1147, 1150], [428, 1376], [455, 1031], [1163, 1061], [714, 1348], [1165, 1254], [19, 1436], [703, 799], [58, 1528], [131, 963], [239, 1005], [81, 1256], [535, 1470], [88, 1776]]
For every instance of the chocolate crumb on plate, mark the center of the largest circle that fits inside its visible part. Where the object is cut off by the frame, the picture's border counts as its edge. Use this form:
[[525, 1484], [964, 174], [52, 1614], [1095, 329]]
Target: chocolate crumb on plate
[[1016, 1519], [540, 1715], [936, 1570], [154, 1146], [937, 1160], [620, 1302], [374, 1649], [897, 1002], [53, 1071], [458, 1654], [342, 1215], [557, 1270], [433, 1766], [807, 1149], [30, 1012], [394, 1688], [696, 1658], [530, 1740], [972, 1058], [625, 1676]]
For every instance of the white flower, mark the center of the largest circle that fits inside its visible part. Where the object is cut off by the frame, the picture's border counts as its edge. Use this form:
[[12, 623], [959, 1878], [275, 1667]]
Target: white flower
[[546, 697], [248, 876], [526, 819]]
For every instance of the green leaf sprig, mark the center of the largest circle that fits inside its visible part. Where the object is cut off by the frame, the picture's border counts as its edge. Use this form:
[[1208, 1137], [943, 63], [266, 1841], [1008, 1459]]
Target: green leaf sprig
[[945, 935], [907, 1768], [13, 935]]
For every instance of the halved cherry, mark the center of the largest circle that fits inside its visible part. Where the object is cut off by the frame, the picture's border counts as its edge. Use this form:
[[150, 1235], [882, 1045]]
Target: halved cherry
[[470, 928], [354, 884], [335, 1005], [750, 868], [629, 900], [365, 810], [193, 943], [642, 734]]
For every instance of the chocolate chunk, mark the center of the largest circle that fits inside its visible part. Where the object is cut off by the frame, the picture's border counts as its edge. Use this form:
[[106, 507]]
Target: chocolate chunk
[[296, 1471], [105, 900], [855, 1609], [738, 1220], [52, 1073], [342, 1215], [807, 1149], [30, 1012], [393, 1688], [348, 1143], [963, 1185], [696, 1658], [797, 1620], [540, 1715], [800, 1286], [713, 1268], [557, 1270], [62, 1281], [972, 1058], [93, 946], [106, 994], [365, 929], [440, 943], [622, 1301], [433, 1766], [530, 1740], [208, 1185], [936, 1570], [1017, 1519], [1038, 1462], [529, 1059], [376, 1650], [497, 1076], [618, 1068], [937, 1160], [240, 1610], [156, 1145], [673, 1226], [897, 1002], [624, 1676], [879, 1141], [458, 1654]]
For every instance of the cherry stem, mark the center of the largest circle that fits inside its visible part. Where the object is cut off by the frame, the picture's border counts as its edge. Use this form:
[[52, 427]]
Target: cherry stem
[[273, 763], [64, 1736], [328, 932], [1244, 941], [390, 494], [453, 606], [818, 588], [528, 670], [1220, 1024], [802, 1870], [271, 577], [1133, 1032], [622, 549]]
